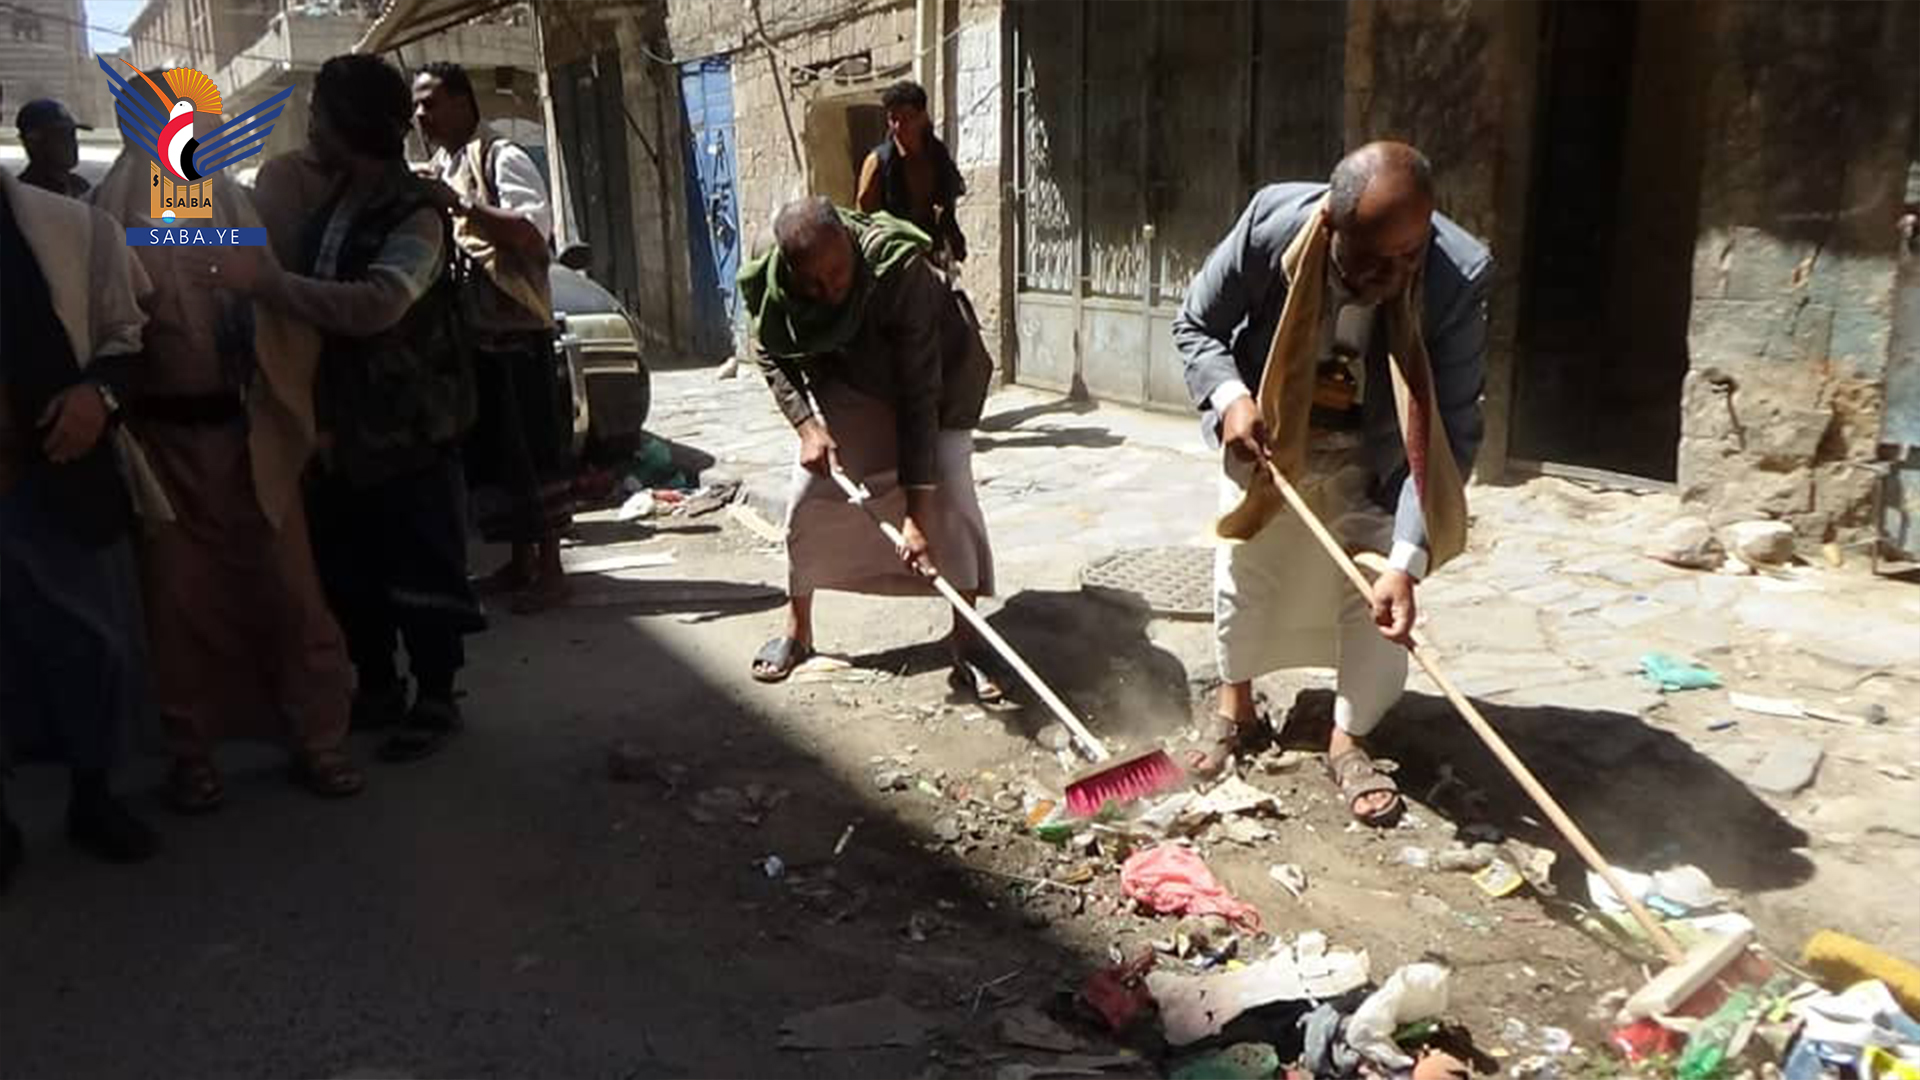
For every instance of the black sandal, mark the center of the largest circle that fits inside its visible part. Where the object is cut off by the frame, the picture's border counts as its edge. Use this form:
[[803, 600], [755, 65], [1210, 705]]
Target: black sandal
[[193, 787], [428, 727], [13, 851], [973, 679], [777, 659]]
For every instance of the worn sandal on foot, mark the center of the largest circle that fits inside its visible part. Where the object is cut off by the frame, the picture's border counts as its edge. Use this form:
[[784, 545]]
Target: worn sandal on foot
[[1354, 773], [777, 659], [431, 723], [972, 679], [1221, 738], [329, 774], [193, 787]]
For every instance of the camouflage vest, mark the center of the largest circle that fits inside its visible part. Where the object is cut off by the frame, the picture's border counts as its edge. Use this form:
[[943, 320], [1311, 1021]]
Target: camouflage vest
[[395, 399]]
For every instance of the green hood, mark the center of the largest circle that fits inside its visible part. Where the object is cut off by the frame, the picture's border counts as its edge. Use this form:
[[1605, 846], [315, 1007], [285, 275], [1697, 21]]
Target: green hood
[[787, 326]]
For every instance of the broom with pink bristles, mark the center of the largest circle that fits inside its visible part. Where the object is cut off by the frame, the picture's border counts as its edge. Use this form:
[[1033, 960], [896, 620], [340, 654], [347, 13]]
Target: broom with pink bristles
[[1108, 778]]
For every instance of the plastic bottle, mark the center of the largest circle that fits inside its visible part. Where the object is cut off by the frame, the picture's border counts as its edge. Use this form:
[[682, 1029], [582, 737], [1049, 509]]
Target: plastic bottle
[[1706, 1050]]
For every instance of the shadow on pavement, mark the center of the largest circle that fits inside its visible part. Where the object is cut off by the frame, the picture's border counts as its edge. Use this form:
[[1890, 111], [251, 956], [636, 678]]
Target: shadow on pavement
[[1094, 654], [1057, 438], [1644, 796], [602, 533], [1013, 418], [665, 595], [506, 909]]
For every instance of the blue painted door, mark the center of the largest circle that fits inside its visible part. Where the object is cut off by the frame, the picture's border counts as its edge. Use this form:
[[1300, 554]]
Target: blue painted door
[[713, 211]]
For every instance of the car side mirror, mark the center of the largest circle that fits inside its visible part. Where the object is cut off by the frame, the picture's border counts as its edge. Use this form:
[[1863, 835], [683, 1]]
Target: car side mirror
[[576, 257]]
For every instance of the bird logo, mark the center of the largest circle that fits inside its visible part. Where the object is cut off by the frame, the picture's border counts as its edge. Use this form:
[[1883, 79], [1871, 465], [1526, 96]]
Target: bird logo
[[177, 143], [169, 130]]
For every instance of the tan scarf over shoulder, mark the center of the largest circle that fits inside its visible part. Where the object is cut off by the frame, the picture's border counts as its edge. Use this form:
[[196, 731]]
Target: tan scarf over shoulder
[[522, 280], [1286, 400]]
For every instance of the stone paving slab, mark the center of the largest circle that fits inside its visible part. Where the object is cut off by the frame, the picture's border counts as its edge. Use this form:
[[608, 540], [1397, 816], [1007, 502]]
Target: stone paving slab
[[1555, 576]]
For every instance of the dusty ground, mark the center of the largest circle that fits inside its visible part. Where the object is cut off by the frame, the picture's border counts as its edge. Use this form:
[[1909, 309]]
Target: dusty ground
[[511, 909]]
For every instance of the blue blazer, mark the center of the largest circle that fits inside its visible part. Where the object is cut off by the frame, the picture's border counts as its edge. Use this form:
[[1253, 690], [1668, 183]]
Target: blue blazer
[[1232, 309]]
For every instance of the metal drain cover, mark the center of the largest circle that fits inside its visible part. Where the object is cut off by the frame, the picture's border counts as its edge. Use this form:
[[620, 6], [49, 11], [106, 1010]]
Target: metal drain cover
[[1176, 582]]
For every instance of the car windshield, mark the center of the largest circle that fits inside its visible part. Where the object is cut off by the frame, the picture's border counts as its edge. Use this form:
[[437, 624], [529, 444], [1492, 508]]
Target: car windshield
[[576, 294]]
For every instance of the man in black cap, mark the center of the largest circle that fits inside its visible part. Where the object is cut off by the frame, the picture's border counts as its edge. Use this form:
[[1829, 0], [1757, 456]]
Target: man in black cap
[[48, 131]]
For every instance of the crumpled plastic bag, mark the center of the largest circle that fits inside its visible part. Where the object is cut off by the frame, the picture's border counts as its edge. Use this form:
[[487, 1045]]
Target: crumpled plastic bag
[[1671, 673], [1325, 1052], [1172, 880], [1416, 992], [1865, 1015]]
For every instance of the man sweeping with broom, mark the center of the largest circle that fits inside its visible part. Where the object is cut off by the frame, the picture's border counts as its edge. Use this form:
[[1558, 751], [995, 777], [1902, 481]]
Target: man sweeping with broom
[[1339, 333], [879, 366]]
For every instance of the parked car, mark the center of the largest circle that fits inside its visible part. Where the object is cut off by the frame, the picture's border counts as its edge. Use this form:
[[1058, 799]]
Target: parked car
[[613, 386]]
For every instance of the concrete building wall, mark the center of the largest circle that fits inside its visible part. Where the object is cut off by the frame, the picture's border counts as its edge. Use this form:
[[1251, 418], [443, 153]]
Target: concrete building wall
[[978, 125], [1812, 113], [654, 146], [1458, 81], [799, 67], [43, 55], [782, 68]]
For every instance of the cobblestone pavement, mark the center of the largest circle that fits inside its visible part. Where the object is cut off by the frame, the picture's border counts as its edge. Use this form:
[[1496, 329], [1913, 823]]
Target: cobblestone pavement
[[1551, 609]]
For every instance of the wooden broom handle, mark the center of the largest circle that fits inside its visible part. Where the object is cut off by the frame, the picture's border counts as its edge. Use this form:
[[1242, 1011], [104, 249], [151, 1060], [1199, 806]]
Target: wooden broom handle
[[1664, 941], [1093, 747]]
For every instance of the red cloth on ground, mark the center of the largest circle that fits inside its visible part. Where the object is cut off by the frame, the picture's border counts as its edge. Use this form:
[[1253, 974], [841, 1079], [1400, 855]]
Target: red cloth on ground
[[1172, 880]]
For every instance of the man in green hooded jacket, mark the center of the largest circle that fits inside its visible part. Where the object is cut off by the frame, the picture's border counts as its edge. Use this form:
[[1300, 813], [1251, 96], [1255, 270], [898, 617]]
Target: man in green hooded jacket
[[877, 362]]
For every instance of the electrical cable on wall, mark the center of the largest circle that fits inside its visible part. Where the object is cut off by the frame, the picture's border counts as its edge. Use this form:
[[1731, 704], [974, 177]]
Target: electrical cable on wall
[[279, 61]]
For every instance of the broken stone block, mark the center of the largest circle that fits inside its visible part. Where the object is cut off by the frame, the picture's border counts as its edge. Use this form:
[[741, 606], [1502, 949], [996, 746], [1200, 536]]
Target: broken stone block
[[1688, 543], [1765, 543], [1786, 436], [1788, 767]]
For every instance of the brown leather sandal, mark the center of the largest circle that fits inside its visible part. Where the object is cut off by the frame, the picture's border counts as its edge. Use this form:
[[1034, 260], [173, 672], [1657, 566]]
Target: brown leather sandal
[[1354, 773], [1221, 739], [193, 787], [329, 774]]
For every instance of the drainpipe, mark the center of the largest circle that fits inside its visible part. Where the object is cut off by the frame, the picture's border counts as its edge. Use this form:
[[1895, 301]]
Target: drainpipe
[[556, 187], [926, 40]]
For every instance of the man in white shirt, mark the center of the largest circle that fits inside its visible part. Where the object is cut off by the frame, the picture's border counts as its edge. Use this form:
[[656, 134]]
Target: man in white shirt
[[519, 459]]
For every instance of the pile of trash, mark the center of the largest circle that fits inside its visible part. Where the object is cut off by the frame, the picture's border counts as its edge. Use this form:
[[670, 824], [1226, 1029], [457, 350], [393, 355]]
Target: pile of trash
[[1854, 1023], [1307, 1010], [650, 484], [1214, 995], [1304, 1009]]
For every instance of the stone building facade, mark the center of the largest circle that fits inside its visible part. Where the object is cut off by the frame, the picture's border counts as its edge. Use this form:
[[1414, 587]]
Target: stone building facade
[[254, 49], [1740, 322], [807, 77], [43, 54], [619, 143]]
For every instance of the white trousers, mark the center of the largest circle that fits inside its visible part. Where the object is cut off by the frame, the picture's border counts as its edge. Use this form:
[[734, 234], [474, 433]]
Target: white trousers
[[1280, 602]]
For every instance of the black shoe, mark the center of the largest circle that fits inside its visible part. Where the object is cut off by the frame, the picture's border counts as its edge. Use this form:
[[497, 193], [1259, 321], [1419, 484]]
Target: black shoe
[[431, 723], [378, 708], [13, 849], [105, 829]]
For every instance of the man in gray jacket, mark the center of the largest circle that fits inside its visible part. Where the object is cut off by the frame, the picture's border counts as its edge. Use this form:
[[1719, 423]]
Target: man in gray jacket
[[1388, 330]]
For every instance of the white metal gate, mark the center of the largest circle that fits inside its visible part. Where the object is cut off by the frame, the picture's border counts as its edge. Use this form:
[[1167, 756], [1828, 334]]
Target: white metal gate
[[1144, 128]]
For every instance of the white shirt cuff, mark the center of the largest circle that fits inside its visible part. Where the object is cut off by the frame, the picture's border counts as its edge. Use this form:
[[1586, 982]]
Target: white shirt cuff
[[1227, 393], [1408, 557]]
